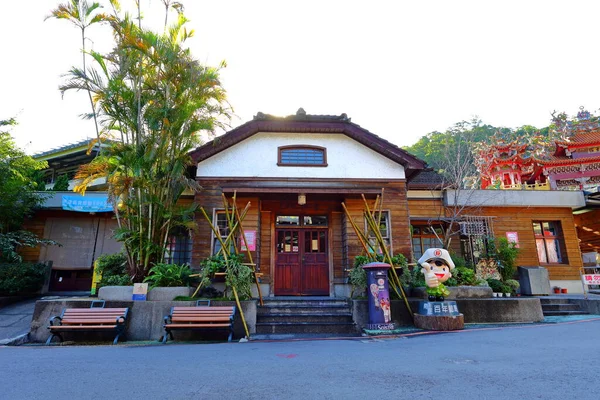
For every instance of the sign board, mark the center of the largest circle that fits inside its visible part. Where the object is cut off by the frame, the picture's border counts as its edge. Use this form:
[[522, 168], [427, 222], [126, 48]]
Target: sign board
[[140, 290], [513, 237], [591, 279], [250, 240], [86, 204]]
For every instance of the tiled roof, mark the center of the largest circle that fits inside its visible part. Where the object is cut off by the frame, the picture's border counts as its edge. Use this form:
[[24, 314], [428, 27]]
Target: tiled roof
[[582, 138], [553, 160], [428, 179]]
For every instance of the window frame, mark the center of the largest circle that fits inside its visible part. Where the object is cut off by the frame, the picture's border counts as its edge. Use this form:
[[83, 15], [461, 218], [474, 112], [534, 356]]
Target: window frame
[[213, 238], [281, 149], [420, 236], [558, 238], [179, 248], [387, 217]]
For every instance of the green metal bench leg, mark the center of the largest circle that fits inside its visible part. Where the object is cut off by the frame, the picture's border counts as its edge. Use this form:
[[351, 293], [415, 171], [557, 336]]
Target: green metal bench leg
[[117, 338], [49, 341], [230, 334]]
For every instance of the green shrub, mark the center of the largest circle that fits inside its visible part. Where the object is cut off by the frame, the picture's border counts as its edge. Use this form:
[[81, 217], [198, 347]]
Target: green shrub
[[21, 278], [169, 275], [506, 253], [61, 184], [513, 284], [113, 268], [464, 276], [240, 277], [496, 285]]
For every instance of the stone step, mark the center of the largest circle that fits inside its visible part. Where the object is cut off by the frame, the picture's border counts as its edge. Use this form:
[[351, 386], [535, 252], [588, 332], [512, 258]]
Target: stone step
[[558, 313], [268, 310], [554, 300], [303, 318], [290, 336], [560, 307], [307, 303], [307, 327]]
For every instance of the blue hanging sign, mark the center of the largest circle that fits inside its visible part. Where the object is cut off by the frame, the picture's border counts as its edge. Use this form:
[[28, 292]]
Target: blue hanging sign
[[86, 204]]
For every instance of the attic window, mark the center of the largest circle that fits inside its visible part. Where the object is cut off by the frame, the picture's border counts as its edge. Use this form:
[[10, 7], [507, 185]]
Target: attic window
[[302, 156]]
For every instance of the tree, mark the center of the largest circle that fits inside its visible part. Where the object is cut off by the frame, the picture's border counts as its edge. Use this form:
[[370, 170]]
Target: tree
[[82, 14], [153, 99], [18, 196]]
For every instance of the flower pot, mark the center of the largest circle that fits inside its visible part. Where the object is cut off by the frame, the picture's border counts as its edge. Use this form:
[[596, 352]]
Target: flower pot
[[556, 290], [495, 294], [506, 294], [563, 290]]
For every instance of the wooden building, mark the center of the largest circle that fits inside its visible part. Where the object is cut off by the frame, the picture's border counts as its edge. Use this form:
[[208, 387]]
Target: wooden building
[[296, 172]]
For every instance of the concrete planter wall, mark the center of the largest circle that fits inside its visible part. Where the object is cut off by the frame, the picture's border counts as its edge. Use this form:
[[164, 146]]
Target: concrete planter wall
[[483, 310], [458, 292], [124, 293], [145, 319]]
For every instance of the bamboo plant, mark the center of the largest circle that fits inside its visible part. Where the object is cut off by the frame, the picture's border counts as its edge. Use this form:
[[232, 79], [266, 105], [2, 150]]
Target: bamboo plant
[[373, 243]]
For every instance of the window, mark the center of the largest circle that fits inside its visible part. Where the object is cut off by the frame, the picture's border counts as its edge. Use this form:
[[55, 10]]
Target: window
[[303, 156], [423, 238], [179, 248], [296, 220], [549, 242], [384, 228], [220, 222]]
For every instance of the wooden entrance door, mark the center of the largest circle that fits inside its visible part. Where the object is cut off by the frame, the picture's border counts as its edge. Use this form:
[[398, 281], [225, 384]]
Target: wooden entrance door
[[302, 262]]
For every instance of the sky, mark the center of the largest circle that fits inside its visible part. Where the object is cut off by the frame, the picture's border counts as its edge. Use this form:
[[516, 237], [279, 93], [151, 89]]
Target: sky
[[400, 69]]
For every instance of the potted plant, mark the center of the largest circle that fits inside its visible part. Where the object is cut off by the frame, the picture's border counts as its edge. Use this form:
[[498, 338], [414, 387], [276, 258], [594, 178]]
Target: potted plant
[[556, 289], [497, 286], [506, 290]]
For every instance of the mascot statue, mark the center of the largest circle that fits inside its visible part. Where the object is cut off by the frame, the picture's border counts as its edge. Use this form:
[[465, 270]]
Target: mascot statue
[[436, 266]]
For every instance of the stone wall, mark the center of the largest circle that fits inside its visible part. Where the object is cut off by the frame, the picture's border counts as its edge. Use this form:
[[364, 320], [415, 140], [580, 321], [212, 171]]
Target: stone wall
[[475, 310]]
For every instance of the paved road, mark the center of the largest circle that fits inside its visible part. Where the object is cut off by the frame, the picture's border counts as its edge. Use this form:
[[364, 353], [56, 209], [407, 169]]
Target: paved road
[[535, 362], [15, 319]]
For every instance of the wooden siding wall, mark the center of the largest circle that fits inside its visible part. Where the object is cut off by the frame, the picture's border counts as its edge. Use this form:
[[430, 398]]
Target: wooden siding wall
[[516, 219], [426, 211], [519, 219], [590, 241], [210, 199], [396, 203]]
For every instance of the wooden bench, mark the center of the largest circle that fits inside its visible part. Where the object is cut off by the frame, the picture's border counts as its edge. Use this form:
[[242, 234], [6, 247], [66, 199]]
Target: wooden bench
[[199, 317], [88, 319]]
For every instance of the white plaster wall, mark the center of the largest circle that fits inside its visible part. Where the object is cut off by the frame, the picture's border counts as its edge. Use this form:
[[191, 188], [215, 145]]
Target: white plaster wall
[[257, 157], [515, 198]]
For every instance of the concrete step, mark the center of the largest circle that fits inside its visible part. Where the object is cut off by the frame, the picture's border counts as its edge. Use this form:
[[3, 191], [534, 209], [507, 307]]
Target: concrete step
[[269, 309], [554, 300], [557, 313], [307, 303], [302, 318], [560, 307], [290, 336], [307, 327]]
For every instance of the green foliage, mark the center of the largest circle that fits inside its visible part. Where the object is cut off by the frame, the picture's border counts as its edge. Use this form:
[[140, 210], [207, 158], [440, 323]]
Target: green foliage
[[514, 285], [357, 276], [506, 254], [458, 260], [496, 285], [464, 276], [169, 275], [21, 278], [240, 277], [112, 264], [153, 100], [61, 184], [113, 268], [18, 196]]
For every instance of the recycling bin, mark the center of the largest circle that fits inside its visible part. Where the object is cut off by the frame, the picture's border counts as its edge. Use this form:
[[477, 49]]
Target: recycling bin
[[380, 313]]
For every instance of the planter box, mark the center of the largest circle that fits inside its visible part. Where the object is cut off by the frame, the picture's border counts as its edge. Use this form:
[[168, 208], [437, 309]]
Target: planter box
[[125, 293], [459, 292]]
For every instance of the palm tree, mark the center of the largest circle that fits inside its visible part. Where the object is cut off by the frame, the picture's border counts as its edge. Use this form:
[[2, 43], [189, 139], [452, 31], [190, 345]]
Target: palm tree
[[153, 98], [82, 14]]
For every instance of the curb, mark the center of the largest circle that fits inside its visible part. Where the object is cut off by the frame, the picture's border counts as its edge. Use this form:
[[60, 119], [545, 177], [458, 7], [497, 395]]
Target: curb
[[16, 341]]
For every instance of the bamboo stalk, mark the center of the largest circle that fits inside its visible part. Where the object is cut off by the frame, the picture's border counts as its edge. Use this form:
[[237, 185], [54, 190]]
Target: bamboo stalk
[[358, 232], [260, 299]]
